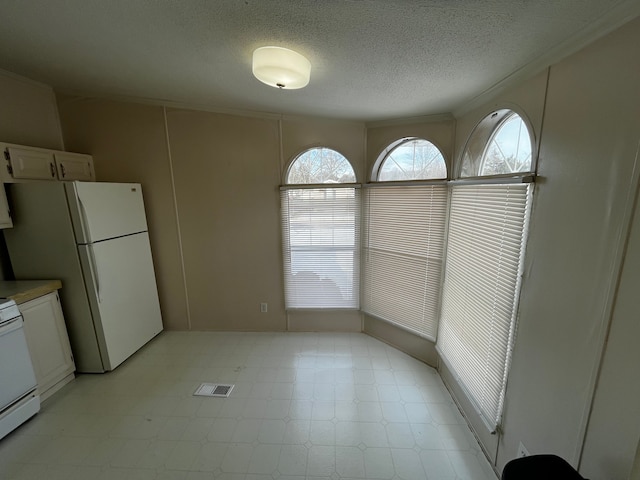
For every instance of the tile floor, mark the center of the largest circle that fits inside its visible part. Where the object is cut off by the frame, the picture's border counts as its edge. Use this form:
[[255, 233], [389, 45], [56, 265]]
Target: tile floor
[[305, 406]]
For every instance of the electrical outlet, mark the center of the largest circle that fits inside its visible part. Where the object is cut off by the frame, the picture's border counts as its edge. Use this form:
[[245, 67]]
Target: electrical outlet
[[522, 452], [263, 307]]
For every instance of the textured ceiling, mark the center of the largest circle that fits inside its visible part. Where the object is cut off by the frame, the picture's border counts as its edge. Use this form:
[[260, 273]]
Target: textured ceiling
[[371, 59]]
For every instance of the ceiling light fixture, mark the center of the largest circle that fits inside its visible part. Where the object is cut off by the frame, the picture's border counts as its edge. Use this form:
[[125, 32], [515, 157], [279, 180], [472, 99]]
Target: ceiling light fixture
[[281, 68]]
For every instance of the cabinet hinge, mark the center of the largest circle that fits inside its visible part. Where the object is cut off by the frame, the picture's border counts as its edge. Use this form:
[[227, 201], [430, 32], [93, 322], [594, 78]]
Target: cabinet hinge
[[7, 157]]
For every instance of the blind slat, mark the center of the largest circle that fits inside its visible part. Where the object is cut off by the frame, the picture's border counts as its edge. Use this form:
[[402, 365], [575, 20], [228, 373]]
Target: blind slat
[[321, 245], [486, 237], [403, 252]]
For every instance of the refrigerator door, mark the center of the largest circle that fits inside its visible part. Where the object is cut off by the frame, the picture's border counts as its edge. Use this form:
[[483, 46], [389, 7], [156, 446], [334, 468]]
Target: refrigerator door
[[42, 245], [105, 210], [123, 295]]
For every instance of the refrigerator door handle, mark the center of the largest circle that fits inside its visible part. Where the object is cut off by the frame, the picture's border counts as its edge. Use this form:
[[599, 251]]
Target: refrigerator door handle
[[94, 271], [84, 221]]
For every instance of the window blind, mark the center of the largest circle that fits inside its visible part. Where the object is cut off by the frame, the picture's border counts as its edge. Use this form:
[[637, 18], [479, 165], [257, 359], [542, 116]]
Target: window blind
[[402, 255], [486, 236], [321, 241]]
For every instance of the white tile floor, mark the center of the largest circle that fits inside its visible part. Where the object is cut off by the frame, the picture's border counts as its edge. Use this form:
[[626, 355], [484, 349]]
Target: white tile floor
[[304, 406]]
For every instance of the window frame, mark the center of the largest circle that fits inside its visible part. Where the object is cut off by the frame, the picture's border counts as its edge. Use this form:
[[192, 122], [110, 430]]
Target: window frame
[[413, 318], [294, 158], [287, 248], [490, 125], [484, 131], [382, 157]]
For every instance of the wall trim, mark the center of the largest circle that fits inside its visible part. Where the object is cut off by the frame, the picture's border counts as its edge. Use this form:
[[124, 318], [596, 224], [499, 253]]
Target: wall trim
[[417, 347], [78, 95], [611, 20], [320, 321], [177, 214], [435, 118], [22, 79]]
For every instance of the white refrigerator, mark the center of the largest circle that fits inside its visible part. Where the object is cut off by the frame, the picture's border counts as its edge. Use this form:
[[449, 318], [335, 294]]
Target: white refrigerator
[[93, 236]]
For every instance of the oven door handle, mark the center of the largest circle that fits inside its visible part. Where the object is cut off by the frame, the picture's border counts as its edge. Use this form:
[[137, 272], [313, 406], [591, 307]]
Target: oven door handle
[[10, 326]]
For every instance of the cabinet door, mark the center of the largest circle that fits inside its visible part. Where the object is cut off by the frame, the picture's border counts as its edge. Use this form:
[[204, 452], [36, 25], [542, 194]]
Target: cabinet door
[[47, 340], [74, 166], [32, 164]]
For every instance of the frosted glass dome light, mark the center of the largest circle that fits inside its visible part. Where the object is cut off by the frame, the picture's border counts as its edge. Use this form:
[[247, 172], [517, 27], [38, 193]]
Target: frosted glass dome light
[[281, 67]]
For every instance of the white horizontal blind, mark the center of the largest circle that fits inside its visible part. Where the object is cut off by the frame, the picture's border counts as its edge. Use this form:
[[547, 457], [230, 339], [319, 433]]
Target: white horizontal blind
[[403, 252], [321, 242], [486, 236]]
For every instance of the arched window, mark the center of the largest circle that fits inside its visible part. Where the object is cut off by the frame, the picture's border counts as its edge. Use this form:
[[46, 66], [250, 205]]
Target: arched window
[[508, 149], [321, 231], [486, 238], [411, 159], [320, 165], [404, 236], [499, 145]]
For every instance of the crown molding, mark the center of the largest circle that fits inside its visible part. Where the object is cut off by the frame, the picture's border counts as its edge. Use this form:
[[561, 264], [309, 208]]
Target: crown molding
[[440, 117], [613, 19], [20, 78], [76, 95]]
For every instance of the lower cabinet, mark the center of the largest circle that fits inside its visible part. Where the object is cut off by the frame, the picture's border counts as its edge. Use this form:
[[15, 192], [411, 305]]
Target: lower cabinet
[[48, 343]]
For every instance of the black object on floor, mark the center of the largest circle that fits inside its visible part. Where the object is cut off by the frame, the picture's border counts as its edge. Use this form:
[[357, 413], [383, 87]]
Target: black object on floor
[[540, 467]]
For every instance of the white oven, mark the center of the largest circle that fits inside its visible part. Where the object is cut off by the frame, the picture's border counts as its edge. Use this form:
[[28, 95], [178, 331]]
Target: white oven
[[19, 399]]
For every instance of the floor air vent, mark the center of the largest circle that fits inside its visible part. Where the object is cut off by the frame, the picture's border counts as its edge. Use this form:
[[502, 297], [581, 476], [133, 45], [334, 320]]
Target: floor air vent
[[213, 390]]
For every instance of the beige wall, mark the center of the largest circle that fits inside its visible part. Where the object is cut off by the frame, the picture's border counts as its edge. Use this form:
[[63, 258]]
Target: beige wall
[[526, 98], [589, 141], [227, 175], [594, 112], [28, 116], [348, 138], [439, 131], [614, 426], [128, 144], [635, 469], [211, 184], [416, 346], [28, 113]]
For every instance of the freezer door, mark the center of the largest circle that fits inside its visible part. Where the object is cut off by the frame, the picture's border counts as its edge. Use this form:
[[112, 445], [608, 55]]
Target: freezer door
[[123, 295], [105, 210]]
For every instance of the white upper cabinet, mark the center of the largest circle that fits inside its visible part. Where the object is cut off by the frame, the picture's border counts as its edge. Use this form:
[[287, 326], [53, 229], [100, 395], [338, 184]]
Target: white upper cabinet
[[32, 163], [74, 166]]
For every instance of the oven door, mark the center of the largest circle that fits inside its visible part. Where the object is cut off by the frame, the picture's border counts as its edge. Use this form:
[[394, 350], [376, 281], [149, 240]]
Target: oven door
[[16, 371]]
